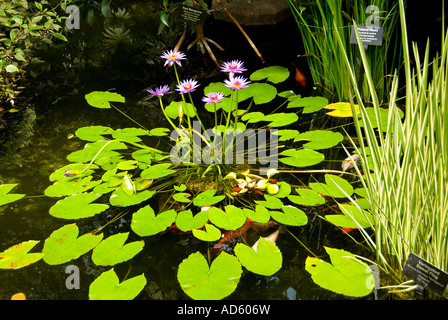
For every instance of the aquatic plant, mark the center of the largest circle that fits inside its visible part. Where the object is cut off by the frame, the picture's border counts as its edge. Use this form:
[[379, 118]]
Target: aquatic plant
[[198, 181]]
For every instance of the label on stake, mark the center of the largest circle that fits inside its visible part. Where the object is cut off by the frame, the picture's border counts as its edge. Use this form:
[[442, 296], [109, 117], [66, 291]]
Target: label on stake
[[192, 14], [425, 274], [370, 36]]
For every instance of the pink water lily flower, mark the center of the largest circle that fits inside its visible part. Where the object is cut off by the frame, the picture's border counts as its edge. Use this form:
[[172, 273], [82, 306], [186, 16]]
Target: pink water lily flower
[[187, 86], [232, 67], [172, 57], [213, 97], [237, 83], [159, 92]]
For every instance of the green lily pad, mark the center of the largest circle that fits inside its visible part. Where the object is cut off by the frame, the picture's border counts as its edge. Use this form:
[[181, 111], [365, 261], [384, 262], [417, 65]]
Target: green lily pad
[[284, 190], [319, 139], [112, 250], [207, 198], [146, 223], [301, 157], [203, 282], [281, 119], [121, 199], [333, 187], [99, 149], [127, 165], [271, 202], [101, 99], [253, 117], [260, 92], [182, 197], [286, 134], [77, 206], [350, 214], [307, 197], [186, 221], [384, 114], [261, 214], [231, 219], [130, 134], [217, 87], [266, 261], [17, 256], [345, 275], [72, 169], [210, 234], [341, 109], [291, 216], [157, 171], [146, 156], [64, 244], [93, 133], [6, 198], [108, 287], [274, 74], [172, 110], [309, 104], [71, 185], [159, 132]]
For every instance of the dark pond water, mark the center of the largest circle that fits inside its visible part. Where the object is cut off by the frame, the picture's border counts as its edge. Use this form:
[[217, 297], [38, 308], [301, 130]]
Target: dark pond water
[[41, 146]]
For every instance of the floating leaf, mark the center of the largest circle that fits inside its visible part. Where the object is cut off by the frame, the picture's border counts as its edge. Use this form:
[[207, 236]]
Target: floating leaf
[[108, 287], [307, 197], [130, 134], [384, 115], [159, 132], [128, 186], [309, 104], [281, 119], [217, 87], [261, 214], [121, 199], [127, 165], [286, 134], [73, 169], [93, 133], [231, 219], [301, 157], [172, 110], [210, 234], [260, 92], [200, 282], [333, 187], [157, 171], [266, 260], [274, 74], [350, 213], [17, 256], [146, 223], [291, 216], [207, 198], [284, 190], [345, 275], [341, 109], [112, 250], [71, 185], [271, 202], [64, 245], [320, 139], [101, 99], [182, 197], [77, 206], [253, 117], [8, 198], [186, 221], [99, 149]]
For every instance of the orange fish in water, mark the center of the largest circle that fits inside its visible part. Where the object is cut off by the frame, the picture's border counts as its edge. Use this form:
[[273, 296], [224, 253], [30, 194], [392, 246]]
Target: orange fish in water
[[18, 296], [299, 76], [347, 230]]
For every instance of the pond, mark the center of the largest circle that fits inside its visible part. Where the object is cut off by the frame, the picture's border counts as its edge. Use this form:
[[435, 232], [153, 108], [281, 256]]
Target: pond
[[49, 139]]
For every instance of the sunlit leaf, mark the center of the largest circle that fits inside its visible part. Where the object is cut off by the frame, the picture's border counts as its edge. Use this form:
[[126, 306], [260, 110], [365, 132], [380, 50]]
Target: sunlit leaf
[[350, 213], [108, 287], [210, 234], [93, 133], [286, 134], [159, 132], [17, 256], [73, 169], [77, 206], [203, 282], [121, 199], [182, 197], [341, 109], [253, 117], [301, 157], [6, 197], [345, 275], [271, 202], [266, 261], [291, 216], [71, 185], [101, 99], [274, 74], [172, 110], [281, 119], [157, 171], [307, 197], [309, 104], [332, 187], [231, 218], [99, 149], [260, 214], [130, 134], [207, 198], [319, 139], [113, 250], [64, 244], [127, 165], [186, 221], [146, 223], [260, 92]]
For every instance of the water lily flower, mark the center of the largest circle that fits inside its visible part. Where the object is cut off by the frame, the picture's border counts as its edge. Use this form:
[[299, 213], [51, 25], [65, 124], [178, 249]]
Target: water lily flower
[[232, 67], [187, 86], [213, 97], [172, 57], [237, 83], [159, 92]]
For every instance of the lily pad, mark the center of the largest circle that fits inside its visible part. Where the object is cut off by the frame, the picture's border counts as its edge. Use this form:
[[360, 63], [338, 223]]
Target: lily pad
[[203, 282], [274, 74], [291, 216], [159, 132], [341, 109], [333, 187], [112, 250], [11, 197], [64, 244], [309, 104], [108, 287], [130, 134], [121, 199], [146, 155], [182, 197], [71, 185], [93, 133], [172, 110], [186, 221], [345, 275], [146, 223], [260, 214], [260, 92], [286, 134], [157, 171], [231, 219], [307, 197], [17, 256], [271, 202], [350, 214], [301, 157], [281, 119], [73, 169], [207, 198], [210, 234], [101, 99], [319, 139], [99, 149], [253, 117], [77, 206], [266, 260]]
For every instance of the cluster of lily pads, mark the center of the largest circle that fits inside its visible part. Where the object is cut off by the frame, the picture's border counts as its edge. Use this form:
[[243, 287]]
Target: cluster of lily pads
[[120, 168]]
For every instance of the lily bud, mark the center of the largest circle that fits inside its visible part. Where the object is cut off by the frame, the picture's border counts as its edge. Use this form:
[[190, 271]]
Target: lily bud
[[272, 189], [180, 112]]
